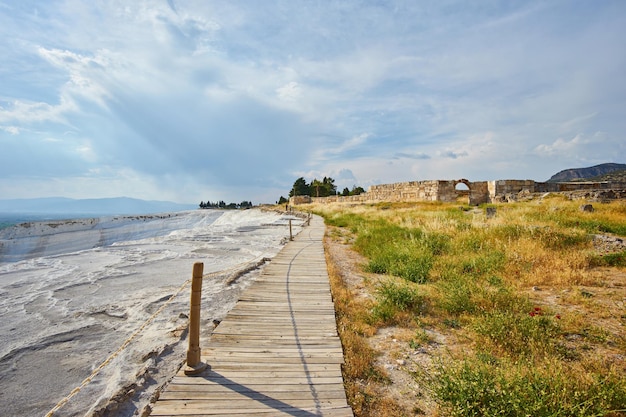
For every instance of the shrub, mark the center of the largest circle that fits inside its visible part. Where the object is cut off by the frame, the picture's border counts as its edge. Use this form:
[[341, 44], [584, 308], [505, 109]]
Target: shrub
[[485, 264], [401, 296], [457, 294], [531, 334], [395, 298]]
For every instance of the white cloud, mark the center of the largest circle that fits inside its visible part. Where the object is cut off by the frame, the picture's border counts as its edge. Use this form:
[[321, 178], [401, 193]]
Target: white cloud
[[86, 151], [241, 97], [13, 130], [561, 146], [596, 148], [289, 92], [24, 112]]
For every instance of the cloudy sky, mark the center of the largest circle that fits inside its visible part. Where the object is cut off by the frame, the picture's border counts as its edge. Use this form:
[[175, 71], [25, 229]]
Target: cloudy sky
[[189, 100]]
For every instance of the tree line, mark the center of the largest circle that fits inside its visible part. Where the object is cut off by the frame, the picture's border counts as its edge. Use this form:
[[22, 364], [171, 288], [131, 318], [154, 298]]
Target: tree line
[[324, 188], [223, 205]]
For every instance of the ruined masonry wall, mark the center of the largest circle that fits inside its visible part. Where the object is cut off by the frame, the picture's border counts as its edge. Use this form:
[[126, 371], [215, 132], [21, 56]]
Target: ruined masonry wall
[[405, 191], [480, 192]]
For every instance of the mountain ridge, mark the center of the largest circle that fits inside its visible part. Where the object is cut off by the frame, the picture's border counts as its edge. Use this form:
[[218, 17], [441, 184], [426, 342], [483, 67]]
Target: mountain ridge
[[101, 206], [594, 172]]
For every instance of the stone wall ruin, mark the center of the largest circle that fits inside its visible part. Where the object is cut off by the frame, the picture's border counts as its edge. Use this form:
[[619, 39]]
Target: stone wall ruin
[[479, 192]]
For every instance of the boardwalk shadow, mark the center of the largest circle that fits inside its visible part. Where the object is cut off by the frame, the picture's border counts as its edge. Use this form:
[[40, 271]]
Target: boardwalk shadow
[[255, 395]]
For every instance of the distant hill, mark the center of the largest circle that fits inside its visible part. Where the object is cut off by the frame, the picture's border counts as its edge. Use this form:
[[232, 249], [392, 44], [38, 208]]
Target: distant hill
[[617, 176], [594, 172], [96, 206]]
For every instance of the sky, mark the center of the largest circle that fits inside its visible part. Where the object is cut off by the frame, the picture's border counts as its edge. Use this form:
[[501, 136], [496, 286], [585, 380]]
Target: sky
[[196, 100]]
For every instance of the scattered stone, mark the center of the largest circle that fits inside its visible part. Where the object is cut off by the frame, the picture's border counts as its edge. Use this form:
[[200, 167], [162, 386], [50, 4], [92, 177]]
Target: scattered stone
[[586, 294], [588, 208], [491, 212], [401, 362], [608, 243], [535, 288]]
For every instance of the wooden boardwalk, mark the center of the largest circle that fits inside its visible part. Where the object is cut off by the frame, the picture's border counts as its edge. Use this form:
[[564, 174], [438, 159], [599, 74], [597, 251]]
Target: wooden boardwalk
[[277, 352]]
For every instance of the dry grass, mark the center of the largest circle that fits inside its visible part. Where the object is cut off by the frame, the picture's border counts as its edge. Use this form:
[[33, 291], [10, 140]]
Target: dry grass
[[525, 298]]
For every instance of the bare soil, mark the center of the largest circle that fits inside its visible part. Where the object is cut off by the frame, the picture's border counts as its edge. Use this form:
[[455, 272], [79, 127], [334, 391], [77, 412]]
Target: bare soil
[[401, 363]]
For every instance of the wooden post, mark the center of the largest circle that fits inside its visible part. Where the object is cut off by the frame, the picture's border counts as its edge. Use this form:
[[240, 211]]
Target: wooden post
[[194, 365], [290, 233]]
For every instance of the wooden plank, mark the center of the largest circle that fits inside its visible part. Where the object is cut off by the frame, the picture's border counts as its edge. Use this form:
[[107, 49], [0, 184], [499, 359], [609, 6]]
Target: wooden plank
[[205, 410], [278, 389]]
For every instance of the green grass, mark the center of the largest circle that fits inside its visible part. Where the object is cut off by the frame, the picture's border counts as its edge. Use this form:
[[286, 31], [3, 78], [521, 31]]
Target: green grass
[[604, 220], [482, 386], [399, 251], [394, 298], [447, 267], [533, 334], [457, 295], [609, 259]]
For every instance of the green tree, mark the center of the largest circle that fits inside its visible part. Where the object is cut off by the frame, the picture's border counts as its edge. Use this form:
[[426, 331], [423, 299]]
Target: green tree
[[329, 186], [300, 187], [316, 185], [357, 190]]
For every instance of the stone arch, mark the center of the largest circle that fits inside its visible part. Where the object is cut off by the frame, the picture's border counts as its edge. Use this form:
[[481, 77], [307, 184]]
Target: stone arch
[[463, 194]]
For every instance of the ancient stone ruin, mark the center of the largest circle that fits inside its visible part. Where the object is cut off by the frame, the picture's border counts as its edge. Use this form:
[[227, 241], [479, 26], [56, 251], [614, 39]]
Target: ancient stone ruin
[[474, 193]]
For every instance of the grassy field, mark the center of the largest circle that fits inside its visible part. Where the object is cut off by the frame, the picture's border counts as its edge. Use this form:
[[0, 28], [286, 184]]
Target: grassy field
[[520, 314]]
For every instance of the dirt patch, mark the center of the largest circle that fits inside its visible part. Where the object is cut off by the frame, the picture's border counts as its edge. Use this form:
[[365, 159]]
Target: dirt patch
[[403, 356], [601, 310]]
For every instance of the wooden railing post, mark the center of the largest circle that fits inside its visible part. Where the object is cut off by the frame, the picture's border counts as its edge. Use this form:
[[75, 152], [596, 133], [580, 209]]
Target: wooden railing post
[[290, 233], [194, 364]]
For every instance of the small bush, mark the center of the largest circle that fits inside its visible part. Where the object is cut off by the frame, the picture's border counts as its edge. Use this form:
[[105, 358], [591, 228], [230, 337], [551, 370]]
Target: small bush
[[485, 264], [436, 243], [502, 299], [421, 338], [395, 298], [514, 334], [457, 295], [401, 296], [412, 267]]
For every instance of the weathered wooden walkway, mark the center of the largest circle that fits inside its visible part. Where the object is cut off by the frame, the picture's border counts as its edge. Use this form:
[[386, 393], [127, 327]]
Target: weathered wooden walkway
[[277, 353]]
